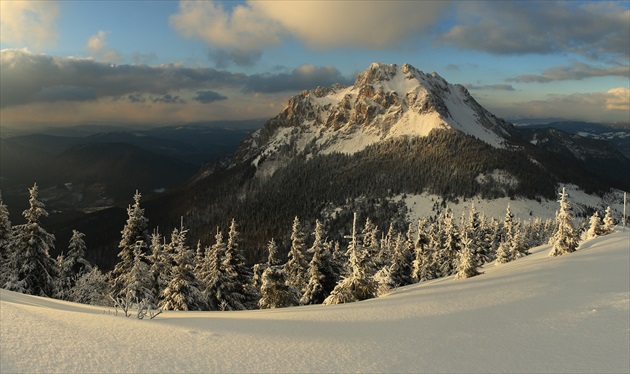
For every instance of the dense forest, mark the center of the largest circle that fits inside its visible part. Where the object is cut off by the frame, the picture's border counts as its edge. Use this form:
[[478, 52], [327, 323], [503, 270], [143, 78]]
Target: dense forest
[[157, 272], [447, 163]]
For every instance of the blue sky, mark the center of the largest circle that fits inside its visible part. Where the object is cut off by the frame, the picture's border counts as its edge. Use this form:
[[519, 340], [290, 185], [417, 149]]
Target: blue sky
[[164, 62]]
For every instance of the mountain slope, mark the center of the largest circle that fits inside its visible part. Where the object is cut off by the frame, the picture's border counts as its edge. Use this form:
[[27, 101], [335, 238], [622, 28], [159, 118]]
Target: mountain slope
[[389, 102], [386, 101], [396, 131], [534, 315]]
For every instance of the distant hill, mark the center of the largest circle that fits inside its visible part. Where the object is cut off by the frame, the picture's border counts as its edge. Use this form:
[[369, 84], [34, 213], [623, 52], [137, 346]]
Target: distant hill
[[618, 133], [81, 169]]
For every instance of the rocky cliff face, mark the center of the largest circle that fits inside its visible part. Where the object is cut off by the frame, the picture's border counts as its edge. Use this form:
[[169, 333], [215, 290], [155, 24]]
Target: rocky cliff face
[[386, 101]]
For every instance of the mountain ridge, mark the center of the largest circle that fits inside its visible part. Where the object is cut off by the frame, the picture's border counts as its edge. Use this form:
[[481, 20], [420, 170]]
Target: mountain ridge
[[386, 101]]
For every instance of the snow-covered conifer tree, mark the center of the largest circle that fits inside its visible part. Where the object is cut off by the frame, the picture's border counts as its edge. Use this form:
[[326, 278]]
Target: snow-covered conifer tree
[[182, 291], [518, 247], [5, 240], [5, 227], [137, 282], [322, 277], [609, 222], [508, 225], [134, 231], [423, 263], [388, 243], [75, 258], [401, 269], [467, 266], [160, 262], [385, 281], [449, 253], [338, 262], [212, 279], [493, 236], [276, 292], [235, 273], [35, 271], [296, 266], [512, 244], [371, 247], [504, 253], [91, 288], [535, 233], [199, 255], [474, 231], [73, 265], [359, 284], [595, 227], [565, 238]]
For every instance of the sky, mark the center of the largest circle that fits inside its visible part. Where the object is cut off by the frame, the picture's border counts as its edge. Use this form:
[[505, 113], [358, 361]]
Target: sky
[[170, 62]]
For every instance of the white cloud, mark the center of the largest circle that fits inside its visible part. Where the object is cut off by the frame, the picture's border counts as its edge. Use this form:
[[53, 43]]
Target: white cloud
[[373, 24], [597, 30], [577, 71], [96, 43], [28, 23], [618, 99], [97, 47], [247, 29], [611, 105], [242, 29]]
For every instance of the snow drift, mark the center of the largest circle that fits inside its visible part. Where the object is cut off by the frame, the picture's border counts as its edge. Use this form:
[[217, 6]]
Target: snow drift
[[536, 314]]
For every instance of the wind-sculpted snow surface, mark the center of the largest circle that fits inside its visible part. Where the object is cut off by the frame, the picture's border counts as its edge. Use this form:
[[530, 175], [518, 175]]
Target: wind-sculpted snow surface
[[535, 314]]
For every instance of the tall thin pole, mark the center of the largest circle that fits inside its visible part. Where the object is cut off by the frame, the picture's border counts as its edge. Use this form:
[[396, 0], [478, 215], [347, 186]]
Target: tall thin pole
[[624, 212]]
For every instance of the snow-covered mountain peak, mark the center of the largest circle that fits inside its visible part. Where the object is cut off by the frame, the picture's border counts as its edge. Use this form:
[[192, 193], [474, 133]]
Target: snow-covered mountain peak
[[386, 101]]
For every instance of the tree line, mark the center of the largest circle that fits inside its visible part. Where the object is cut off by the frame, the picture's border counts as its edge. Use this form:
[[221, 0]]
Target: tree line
[[167, 273]]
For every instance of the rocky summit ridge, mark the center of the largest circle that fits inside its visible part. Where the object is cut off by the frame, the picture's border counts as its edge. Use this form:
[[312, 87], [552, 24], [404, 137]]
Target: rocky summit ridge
[[385, 101]]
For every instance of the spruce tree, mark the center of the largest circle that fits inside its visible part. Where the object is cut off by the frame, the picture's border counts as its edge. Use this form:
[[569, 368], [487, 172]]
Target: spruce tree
[[401, 268], [473, 230], [212, 278], [493, 236], [565, 238], [512, 244], [373, 257], [385, 281], [160, 265], [423, 265], [321, 272], [609, 222], [595, 227], [504, 254], [296, 266], [134, 231], [518, 247], [199, 255], [137, 282], [182, 292], [73, 265], [449, 253], [388, 243], [338, 262], [5, 240], [91, 288], [467, 265], [35, 271], [234, 272], [359, 284], [276, 291]]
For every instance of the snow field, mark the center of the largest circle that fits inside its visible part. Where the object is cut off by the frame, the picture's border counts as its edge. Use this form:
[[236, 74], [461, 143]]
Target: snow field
[[420, 205], [536, 314]]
